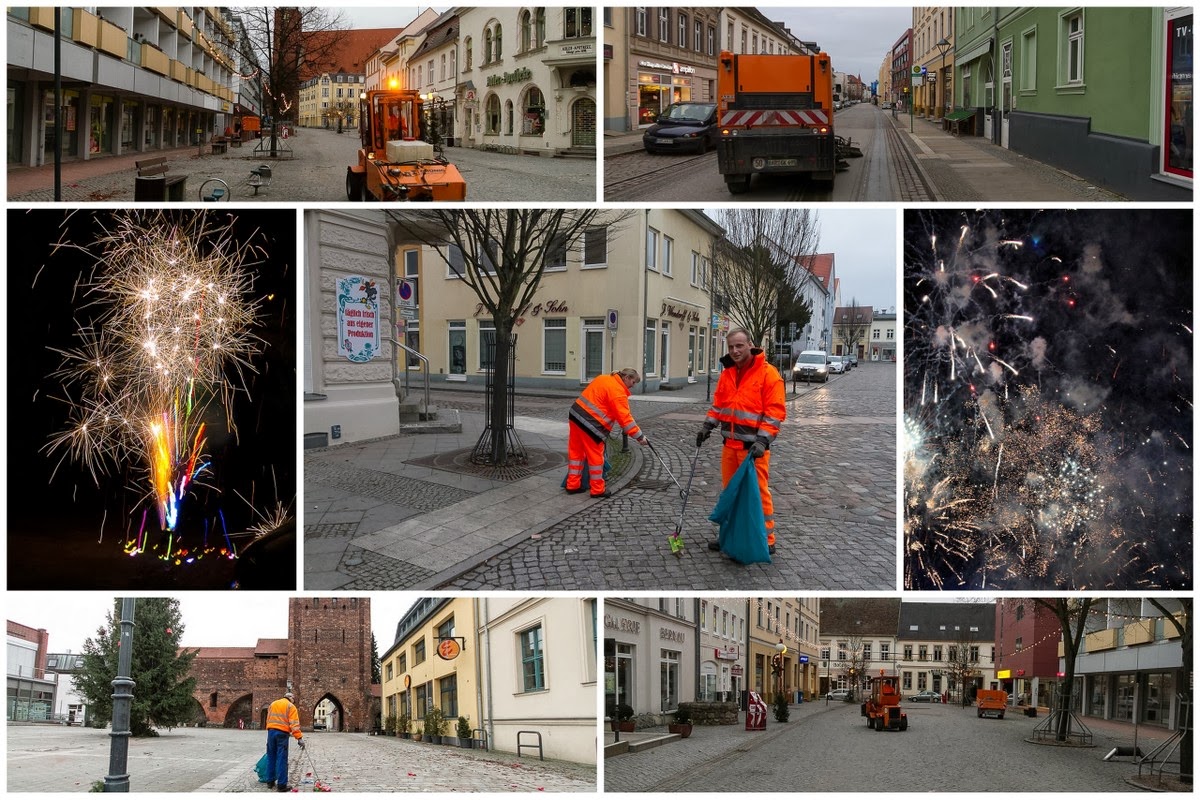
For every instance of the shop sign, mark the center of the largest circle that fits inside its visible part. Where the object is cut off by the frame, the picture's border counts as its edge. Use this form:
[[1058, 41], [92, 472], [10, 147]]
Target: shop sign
[[674, 67], [736, 670], [1003, 674], [449, 648], [728, 654], [358, 318], [575, 49], [672, 635], [684, 315], [516, 76], [622, 624]]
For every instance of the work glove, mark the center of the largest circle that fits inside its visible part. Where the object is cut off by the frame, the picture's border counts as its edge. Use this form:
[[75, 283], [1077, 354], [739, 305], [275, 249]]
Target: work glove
[[643, 440], [758, 449], [300, 742], [703, 435]]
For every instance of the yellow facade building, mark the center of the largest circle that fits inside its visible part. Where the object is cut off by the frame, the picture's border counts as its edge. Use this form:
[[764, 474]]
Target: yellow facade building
[[631, 293]]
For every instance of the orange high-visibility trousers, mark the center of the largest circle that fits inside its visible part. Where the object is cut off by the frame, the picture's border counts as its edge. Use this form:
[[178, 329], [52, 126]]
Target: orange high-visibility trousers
[[584, 450], [731, 459]]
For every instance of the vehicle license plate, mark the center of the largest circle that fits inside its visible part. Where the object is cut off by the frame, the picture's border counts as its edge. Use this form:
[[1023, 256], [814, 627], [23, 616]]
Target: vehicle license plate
[[666, 141], [781, 162]]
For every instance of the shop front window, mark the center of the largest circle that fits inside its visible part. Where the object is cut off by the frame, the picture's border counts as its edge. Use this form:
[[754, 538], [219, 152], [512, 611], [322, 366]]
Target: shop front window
[[533, 122], [493, 115], [128, 132], [70, 124], [618, 675], [100, 137], [15, 94], [650, 98], [1098, 697], [1178, 152], [1158, 688], [458, 347]]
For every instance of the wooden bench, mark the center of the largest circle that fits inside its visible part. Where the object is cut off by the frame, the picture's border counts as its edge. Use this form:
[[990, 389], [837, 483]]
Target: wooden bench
[[153, 184]]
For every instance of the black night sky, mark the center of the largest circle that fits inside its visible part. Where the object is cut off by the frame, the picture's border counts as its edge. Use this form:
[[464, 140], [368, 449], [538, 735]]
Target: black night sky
[[66, 532], [1048, 399]]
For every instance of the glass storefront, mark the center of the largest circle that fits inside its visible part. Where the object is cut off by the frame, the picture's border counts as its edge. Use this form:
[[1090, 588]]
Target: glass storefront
[[1097, 695], [168, 127], [1157, 690], [1178, 149], [102, 122], [128, 130], [618, 675], [656, 91], [1123, 695], [16, 95], [71, 120]]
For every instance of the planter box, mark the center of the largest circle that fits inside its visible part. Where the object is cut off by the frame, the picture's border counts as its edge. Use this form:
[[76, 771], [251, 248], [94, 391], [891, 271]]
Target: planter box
[[450, 741], [466, 744], [683, 729]]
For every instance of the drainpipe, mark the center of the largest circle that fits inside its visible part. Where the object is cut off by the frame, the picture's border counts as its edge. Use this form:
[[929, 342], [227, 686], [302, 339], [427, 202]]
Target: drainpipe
[[645, 300], [487, 655]]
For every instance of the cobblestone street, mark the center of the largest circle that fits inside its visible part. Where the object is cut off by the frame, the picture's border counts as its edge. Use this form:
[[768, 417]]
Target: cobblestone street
[[946, 748], [376, 519], [314, 171], [69, 759]]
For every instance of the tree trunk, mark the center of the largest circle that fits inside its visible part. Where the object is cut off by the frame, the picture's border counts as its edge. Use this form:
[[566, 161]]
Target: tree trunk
[[499, 420]]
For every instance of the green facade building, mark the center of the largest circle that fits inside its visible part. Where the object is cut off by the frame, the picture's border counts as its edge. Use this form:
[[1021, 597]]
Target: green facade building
[[1102, 92]]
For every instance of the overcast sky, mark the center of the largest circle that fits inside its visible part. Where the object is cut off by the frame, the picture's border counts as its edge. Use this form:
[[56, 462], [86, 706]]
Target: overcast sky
[[856, 39], [210, 619], [385, 16], [863, 241]]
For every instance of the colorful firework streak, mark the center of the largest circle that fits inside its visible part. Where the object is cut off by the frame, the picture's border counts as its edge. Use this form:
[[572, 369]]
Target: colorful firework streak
[[164, 338], [1048, 412]]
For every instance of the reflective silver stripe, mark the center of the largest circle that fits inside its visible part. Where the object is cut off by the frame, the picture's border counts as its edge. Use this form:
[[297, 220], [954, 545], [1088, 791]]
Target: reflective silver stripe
[[600, 416], [574, 470], [575, 461], [755, 418], [587, 424], [630, 427], [768, 518], [741, 437], [728, 412], [766, 434], [771, 421]]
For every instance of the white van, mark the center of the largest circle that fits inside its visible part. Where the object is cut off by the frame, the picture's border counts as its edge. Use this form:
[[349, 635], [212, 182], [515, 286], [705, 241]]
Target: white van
[[812, 365]]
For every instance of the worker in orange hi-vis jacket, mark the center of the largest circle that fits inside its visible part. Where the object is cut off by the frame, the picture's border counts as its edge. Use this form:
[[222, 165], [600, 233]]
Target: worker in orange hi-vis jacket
[[604, 403], [748, 407]]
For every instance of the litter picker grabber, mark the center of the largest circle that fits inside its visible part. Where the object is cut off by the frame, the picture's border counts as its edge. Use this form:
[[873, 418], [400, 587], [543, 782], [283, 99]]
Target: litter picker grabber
[[670, 474], [676, 538]]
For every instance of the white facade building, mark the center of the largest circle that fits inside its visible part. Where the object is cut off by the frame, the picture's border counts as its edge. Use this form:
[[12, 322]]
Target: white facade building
[[650, 653], [538, 673], [723, 657]]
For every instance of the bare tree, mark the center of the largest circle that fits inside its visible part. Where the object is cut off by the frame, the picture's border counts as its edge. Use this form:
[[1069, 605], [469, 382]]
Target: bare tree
[[500, 254], [854, 664], [1184, 628], [285, 44], [1072, 616], [853, 329], [963, 661], [762, 253]]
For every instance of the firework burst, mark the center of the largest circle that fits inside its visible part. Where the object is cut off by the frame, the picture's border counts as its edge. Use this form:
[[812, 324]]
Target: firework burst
[[165, 337], [1033, 457]]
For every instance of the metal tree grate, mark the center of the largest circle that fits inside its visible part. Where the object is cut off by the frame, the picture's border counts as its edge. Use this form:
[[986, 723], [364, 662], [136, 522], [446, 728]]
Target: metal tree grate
[[1077, 733], [514, 452]]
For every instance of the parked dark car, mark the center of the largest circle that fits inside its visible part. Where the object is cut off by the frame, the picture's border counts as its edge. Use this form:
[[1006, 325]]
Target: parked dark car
[[682, 127]]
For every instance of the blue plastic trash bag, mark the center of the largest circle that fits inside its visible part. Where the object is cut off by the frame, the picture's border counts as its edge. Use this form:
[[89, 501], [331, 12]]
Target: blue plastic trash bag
[[261, 769], [739, 512], [587, 483]]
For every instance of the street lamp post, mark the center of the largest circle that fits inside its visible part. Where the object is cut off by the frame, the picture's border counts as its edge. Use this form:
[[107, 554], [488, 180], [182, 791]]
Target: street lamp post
[[117, 779], [943, 46]]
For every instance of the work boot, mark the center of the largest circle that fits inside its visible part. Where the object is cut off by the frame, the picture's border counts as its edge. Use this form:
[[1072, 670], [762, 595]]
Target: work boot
[[604, 494], [270, 785], [281, 788], [575, 491], [715, 546], [771, 549]]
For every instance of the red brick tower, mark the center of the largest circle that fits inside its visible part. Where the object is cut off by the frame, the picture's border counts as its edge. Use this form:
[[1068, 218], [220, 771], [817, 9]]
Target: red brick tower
[[329, 656]]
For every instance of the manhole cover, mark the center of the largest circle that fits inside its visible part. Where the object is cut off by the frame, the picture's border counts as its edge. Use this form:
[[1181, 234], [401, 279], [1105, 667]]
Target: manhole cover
[[459, 461]]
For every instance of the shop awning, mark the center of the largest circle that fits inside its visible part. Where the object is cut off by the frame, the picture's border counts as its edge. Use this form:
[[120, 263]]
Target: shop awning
[[974, 52]]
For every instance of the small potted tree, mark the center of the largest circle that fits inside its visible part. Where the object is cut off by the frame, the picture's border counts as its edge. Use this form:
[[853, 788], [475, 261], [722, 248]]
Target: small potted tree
[[682, 721], [435, 725], [419, 736], [402, 726], [389, 725], [464, 734]]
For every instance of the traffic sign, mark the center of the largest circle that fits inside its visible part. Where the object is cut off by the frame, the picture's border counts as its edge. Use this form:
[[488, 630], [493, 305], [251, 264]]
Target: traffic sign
[[916, 69], [611, 319], [406, 299]]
